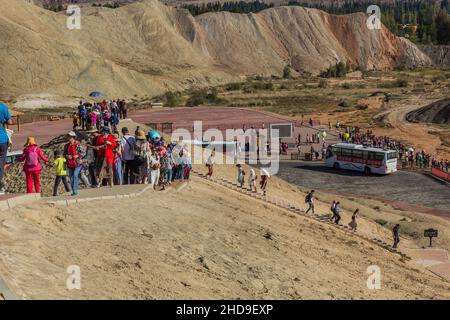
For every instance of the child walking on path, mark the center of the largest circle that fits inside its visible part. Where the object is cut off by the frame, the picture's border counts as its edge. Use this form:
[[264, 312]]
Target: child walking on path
[[61, 173], [32, 167]]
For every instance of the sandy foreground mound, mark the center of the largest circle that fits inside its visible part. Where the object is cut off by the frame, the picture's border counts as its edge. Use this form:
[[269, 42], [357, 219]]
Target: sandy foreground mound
[[437, 112], [147, 48], [202, 241]]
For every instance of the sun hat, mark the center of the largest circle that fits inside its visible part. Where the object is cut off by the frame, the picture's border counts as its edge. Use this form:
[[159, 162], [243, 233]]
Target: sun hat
[[140, 135], [72, 134], [31, 141], [264, 172]]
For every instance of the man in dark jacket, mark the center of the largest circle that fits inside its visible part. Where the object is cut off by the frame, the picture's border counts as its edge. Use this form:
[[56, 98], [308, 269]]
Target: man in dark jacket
[[395, 233], [310, 201]]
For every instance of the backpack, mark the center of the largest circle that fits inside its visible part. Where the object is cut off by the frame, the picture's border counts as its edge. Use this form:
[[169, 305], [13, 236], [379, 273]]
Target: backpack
[[139, 159], [307, 198], [32, 158]]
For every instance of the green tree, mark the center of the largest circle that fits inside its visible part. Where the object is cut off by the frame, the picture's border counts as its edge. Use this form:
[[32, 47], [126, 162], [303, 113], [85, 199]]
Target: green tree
[[172, 98], [442, 27]]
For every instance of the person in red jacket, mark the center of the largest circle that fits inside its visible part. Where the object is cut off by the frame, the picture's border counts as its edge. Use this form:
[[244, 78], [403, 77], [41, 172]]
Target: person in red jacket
[[105, 146], [32, 167], [72, 152]]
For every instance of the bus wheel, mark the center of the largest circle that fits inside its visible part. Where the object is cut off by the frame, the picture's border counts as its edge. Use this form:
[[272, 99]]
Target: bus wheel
[[367, 171], [336, 165]]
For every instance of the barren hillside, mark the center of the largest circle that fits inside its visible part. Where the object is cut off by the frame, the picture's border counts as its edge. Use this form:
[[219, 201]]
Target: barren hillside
[[202, 242], [147, 47], [437, 112]]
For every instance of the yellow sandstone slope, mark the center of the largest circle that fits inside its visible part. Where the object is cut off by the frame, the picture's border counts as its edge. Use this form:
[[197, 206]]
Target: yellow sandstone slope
[[147, 48], [201, 241]]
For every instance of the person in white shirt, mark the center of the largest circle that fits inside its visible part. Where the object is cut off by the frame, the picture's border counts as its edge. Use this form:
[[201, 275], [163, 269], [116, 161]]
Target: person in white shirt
[[210, 163], [128, 142], [153, 169], [252, 180]]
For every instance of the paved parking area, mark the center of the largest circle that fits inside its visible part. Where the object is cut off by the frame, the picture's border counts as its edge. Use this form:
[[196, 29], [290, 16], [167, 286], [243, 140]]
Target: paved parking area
[[403, 188]]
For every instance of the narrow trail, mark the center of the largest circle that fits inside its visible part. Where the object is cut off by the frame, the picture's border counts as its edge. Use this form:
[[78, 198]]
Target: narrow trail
[[426, 258], [399, 128]]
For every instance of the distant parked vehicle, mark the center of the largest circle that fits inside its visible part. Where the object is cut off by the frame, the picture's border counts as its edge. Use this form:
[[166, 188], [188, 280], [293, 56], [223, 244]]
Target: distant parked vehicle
[[12, 157], [360, 158]]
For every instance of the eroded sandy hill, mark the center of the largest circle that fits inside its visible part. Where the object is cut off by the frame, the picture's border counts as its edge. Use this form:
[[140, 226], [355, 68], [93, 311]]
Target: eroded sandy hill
[[147, 47]]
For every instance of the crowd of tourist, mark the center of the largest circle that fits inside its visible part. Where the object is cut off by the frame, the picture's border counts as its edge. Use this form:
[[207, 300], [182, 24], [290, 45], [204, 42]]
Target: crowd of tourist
[[99, 115], [406, 154], [98, 155], [108, 158], [442, 164]]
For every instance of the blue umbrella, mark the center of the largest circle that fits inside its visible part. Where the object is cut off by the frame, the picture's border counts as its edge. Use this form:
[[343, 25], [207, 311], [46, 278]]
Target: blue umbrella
[[96, 94]]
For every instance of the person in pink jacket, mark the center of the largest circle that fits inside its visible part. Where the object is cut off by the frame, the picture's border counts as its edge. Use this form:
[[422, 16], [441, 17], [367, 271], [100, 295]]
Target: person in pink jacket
[[32, 166]]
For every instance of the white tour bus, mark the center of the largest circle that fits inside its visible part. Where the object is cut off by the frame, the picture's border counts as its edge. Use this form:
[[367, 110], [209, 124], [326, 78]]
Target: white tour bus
[[360, 158]]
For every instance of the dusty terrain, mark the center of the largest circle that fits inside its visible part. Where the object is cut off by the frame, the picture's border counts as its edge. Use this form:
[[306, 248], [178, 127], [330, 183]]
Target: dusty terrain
[[200, 242], [147, 48], [203, 241], [438, 112]]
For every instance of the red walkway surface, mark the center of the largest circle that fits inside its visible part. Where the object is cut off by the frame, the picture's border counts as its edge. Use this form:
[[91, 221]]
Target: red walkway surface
[[221, 118], [43, 131]]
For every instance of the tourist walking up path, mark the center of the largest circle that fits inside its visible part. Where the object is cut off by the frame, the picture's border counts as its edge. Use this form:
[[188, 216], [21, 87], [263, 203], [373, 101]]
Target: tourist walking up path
[[310, 201], [32, 167], [396, 236]]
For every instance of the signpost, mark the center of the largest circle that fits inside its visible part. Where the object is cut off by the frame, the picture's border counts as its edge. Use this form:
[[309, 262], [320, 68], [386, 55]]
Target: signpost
[[431, 233]]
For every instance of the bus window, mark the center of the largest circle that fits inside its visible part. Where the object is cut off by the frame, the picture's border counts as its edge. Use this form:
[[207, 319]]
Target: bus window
[[346, 152], [392, 155], [9, 160], [357, 153], [379, 156], [336, 151], [365, 155]]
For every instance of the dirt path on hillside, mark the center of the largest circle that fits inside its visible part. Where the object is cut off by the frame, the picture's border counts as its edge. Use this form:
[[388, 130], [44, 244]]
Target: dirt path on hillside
[[418, 134], [202, 242]]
